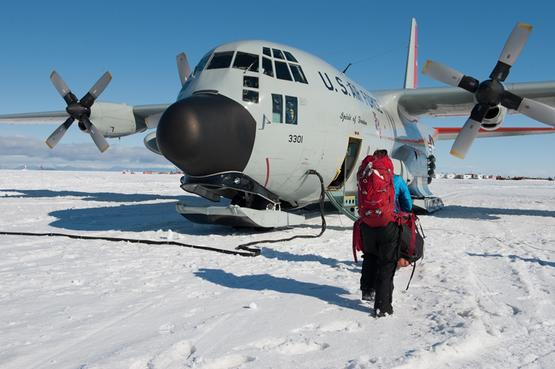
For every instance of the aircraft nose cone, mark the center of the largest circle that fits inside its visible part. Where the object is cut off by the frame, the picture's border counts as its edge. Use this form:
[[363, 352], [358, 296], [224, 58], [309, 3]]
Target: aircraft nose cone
[[206, 134]]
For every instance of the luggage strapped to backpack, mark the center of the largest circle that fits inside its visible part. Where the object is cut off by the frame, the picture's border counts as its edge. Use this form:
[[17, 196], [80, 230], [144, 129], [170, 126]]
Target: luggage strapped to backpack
[[411, 240]]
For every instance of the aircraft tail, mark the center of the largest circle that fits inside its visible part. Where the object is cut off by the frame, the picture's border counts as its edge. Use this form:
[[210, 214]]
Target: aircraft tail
[[411, 71]]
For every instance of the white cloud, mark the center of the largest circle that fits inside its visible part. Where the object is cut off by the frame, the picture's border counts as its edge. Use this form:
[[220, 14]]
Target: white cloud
[[18, 151]]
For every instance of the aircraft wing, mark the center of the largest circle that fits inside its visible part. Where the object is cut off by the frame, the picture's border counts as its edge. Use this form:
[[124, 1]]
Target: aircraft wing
[[450, 133], [453, 101], [140, 111]]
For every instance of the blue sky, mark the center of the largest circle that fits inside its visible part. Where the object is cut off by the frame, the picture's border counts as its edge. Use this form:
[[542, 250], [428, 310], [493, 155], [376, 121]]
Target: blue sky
[[138, 42]]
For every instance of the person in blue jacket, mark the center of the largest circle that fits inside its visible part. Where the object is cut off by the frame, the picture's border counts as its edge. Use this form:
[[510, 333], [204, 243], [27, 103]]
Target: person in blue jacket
[[403, 201]]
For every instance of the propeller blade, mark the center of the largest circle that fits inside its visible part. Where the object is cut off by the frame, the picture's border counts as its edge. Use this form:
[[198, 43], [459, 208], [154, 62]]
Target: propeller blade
[[450, 76], [465, 138], [62, 88], [511, 51], [183, 68], [442, 73], [97, 137], [96, 90], [538, 111], [101, 84], [57, 135], [515, 43]]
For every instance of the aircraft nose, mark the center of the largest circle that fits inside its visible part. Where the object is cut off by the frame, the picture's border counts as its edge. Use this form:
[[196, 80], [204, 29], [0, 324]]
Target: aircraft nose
[[206, 134]]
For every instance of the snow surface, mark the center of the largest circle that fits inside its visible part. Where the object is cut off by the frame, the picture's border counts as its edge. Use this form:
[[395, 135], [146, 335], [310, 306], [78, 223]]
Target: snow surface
[[482, 298]]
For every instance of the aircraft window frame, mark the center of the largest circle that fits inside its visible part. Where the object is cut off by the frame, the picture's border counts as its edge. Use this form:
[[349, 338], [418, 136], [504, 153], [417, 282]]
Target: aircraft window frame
[[280, 71], [253, 65], [267, 67], [277, 108], [223, 62], [291, 110], [250, 96], [299, 76], [290, 56], [278, 54], [250, 82], [266, 51], [201, 64]]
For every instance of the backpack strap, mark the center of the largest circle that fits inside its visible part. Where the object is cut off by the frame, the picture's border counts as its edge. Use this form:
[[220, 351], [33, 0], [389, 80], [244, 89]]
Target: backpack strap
[[410, 279]]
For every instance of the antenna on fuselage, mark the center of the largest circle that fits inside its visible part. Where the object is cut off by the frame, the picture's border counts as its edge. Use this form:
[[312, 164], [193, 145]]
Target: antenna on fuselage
[[347, 67]]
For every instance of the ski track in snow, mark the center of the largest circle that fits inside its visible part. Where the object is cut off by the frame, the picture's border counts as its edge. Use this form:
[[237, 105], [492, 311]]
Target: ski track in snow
[[483, 297]]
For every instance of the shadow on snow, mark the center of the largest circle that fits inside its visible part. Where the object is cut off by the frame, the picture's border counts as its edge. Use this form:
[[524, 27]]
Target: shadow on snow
[[261, 282], [472, 212], [516, 257]]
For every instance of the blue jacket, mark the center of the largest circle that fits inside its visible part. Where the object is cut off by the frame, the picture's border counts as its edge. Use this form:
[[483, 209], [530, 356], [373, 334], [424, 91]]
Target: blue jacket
[[403, 200]]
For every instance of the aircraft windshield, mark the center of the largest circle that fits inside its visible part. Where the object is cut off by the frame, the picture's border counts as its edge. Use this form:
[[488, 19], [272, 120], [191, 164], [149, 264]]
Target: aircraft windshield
[[201, 64], [246, 61], [221, 60]]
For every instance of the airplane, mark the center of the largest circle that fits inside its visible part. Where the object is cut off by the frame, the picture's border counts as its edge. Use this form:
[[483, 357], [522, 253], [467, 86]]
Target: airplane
[[255, 120]]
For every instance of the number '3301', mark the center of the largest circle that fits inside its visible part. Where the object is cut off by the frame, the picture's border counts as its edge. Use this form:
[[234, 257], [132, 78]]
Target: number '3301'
[[296, 138]]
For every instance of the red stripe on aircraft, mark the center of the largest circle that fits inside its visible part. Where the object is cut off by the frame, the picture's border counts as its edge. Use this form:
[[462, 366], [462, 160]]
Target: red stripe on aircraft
[[451, 130]]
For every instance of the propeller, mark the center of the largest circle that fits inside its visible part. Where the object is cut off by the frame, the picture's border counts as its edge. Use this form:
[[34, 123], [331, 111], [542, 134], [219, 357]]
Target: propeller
[[79, 110], [491, 92], [183, 67]]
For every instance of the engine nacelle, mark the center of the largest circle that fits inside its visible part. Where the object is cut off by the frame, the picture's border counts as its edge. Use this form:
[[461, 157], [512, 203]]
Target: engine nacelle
[[116, 120], [494, 118]]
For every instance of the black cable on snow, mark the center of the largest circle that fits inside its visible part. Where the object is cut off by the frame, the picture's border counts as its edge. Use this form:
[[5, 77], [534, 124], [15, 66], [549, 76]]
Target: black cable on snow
[[244, 249]]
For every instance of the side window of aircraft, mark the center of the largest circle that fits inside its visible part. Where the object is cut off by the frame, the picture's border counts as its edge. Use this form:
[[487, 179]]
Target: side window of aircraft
[[250, 96], [249, 81], [246, 61], [221, 60], [267, 67], [282, 72], [266, 51], [277, 108], [291, 106], [290, 56], [201, 64], [298, 73], [278, 54]]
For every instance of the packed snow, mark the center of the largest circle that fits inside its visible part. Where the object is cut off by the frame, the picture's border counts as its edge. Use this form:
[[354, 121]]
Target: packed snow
[[483, 297]]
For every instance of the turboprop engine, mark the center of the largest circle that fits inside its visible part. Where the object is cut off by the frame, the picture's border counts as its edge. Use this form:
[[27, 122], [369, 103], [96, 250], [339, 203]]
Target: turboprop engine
[[494, 118], [115, 120]]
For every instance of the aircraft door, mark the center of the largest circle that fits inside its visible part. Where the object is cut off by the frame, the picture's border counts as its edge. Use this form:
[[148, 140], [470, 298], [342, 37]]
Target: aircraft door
[[346, 169]]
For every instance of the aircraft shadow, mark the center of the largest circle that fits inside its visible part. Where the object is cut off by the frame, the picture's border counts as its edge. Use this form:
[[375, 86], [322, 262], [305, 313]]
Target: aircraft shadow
[[89, 196], [261, 282], [472, 212], [516, 257]]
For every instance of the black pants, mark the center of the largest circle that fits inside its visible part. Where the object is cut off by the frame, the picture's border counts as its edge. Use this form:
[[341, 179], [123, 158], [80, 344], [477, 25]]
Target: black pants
[[379, 264]]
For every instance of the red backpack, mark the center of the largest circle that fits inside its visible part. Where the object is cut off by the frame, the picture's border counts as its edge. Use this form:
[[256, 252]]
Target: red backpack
[[376, 194]]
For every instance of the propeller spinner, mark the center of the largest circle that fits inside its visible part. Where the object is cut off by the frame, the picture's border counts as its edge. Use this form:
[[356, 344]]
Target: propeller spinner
[[79, 110], [491, 92]]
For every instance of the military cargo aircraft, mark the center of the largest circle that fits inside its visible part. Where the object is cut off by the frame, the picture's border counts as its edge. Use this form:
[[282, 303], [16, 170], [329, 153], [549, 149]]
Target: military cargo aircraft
[[254, 119]]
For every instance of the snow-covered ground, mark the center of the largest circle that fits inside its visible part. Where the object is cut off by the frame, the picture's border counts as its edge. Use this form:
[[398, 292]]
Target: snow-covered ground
[[483, 297]]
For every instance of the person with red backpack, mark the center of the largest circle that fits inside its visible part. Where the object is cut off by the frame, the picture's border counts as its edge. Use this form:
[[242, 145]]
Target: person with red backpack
[[377, 230]]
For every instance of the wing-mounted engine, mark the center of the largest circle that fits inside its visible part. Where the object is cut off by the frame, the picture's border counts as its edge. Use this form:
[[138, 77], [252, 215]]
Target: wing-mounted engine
[[115, 120], [494, 118]]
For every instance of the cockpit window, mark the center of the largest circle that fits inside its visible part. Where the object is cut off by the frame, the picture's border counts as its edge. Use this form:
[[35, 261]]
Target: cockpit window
[[267, 67], [278, 54], [246, 61], [290, 56], [282, 72], [298, 74], [221, 60], [201, 64], [266, 51]]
